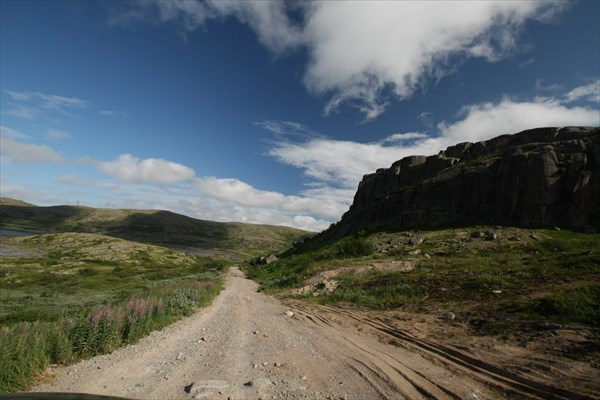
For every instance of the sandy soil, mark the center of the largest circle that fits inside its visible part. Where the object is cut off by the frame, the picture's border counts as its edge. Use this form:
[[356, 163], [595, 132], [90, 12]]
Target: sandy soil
[[248, 346]]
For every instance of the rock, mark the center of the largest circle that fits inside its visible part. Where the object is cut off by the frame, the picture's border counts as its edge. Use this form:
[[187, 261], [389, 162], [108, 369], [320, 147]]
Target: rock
[[271, 259], [414, 241], [200, 386], [427, 256], [539, 177], [489, 235], [414, 252], [259, 382], [450, 315], [533, 236], [289, 313], [477, 234], [514, 239]]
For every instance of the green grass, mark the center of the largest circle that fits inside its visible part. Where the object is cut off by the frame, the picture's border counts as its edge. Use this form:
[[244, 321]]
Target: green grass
[[232, 240], [554, 278], [78, 295]]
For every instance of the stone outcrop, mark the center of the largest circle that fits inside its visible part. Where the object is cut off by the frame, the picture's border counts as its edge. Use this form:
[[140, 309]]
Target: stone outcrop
[[539, 177]]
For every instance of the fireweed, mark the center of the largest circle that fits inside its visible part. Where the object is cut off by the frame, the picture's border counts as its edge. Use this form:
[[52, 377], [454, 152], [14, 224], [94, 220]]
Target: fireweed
[[27, 348]]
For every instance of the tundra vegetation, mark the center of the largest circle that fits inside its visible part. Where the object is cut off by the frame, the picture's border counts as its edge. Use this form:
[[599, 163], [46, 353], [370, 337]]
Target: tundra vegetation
[[70, 296], [494, 278]]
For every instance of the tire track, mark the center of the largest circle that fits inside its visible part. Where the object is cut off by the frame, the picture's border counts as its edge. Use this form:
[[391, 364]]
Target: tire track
[[388, 375], [480, 370]]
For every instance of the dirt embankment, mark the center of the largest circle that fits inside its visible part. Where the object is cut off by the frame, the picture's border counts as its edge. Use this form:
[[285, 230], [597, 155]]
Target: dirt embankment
[[249, 346]]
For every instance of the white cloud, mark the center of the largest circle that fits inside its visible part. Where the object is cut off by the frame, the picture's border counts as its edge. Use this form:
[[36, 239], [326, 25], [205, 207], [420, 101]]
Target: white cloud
[[51, 101], [21, 111], [241, 193], [404, 137], [56, 134], [150, 170], [527, 63], [366, 54], [337, 166], [358, 49], [590, 92], [11, 133], [426, 118], [337, 162], [15, 152], [487, 120]]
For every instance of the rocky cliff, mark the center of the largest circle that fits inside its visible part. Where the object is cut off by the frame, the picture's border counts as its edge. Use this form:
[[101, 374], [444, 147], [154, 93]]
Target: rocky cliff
[[545, 176]]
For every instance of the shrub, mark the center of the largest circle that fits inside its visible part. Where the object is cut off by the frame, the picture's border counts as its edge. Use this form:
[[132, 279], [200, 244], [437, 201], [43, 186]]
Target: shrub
[[354, 247]]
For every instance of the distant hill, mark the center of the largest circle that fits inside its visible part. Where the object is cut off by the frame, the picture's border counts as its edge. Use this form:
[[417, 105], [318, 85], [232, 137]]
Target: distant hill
[[12, 202], [151, 226], [539, 177]]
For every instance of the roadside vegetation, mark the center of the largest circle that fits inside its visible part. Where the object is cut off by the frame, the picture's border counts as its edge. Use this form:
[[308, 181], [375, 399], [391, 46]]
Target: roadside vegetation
[[489, 276], [70, 296]]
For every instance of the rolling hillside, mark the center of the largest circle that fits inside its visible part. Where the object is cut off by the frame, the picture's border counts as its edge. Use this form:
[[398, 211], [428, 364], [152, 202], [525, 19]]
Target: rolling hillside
[[151, 226]]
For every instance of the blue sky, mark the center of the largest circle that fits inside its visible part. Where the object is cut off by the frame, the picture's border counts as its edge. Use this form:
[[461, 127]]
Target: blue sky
[[271, 112]]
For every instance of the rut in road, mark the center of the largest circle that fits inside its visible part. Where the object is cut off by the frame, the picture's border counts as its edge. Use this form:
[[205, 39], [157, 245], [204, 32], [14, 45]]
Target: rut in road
[[244, 346], [506, 382]]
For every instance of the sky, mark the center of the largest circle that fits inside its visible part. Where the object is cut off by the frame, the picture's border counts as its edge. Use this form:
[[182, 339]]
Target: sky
[[271, 112]]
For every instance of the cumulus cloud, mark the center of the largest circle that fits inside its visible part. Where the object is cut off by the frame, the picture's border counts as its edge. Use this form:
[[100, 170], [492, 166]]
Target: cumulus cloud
[[15, 152], [337, 166], [338, 162], [150, 170], [486, 120], [241, 193], [367, 54]]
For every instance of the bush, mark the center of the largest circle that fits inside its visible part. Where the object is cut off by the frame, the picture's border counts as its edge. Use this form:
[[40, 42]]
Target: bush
[[354, 247]]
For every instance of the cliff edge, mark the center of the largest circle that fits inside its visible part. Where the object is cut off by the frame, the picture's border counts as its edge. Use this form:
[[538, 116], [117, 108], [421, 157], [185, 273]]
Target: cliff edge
[[538, 177]]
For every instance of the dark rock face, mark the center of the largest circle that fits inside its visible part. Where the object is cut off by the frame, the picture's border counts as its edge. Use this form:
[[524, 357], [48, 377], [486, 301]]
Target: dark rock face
[[539, 177]]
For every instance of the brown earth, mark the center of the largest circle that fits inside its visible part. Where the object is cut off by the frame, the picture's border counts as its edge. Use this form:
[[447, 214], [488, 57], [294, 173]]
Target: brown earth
[[247, 345]]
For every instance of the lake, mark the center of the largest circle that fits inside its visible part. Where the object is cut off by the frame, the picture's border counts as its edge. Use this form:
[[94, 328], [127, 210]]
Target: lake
[[10, 232]]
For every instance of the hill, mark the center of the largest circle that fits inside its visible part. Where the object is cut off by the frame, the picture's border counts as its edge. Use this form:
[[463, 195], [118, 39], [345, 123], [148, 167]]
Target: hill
[[6, 201], [501, 230], [540, 177], [154, 227]]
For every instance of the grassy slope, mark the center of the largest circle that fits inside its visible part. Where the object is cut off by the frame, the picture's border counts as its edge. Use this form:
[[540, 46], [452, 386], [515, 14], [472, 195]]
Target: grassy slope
[[150, 226], [69, 296], [547, 276], [61, 273], [12, 202]]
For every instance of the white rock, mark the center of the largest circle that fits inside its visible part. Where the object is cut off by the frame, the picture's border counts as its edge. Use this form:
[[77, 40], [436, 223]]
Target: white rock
[[289, 313]]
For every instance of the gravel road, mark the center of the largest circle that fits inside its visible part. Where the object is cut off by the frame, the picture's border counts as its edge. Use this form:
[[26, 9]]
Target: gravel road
[[247, 345]]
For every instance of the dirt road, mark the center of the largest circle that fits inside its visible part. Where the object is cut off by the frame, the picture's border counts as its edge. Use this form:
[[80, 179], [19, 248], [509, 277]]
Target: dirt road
[[248, 346]]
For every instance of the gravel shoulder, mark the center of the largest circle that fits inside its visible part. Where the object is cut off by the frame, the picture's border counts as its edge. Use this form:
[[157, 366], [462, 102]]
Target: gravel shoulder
[[247, 345]]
